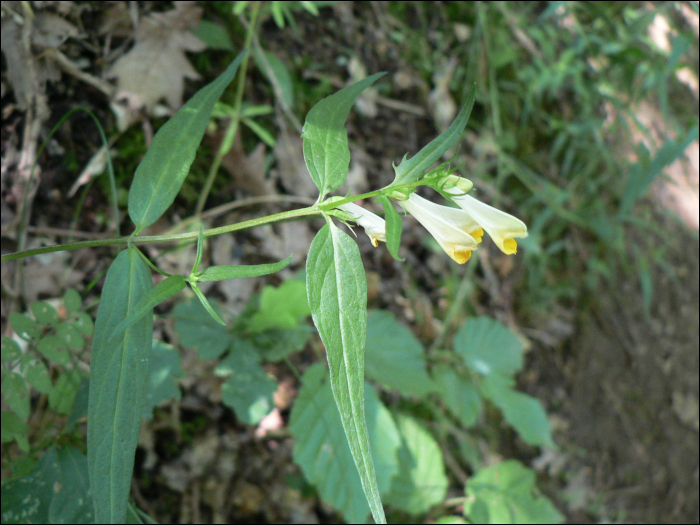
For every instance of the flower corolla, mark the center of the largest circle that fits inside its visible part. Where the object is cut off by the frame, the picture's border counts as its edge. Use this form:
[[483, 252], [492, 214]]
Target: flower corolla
[[455, 230], [374, 225], [501, 226]]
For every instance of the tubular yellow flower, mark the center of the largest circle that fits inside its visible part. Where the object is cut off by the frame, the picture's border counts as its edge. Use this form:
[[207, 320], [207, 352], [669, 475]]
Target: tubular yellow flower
[[502, 227], [374, 225], [455, 231]]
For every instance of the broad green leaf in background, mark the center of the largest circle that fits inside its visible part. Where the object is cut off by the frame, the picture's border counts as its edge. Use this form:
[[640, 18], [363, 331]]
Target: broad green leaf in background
[[421, 482], [393, 227], [70, 336], [458, 394], [337, 291], [36, 374], [44, 313], [325, 146], [489, 347], [410, 170], [79, 410], [71, 502], [281, 307], [167, 162], [506, 493], [214, 35], [14, 390], [524, 413], [166, 369], [275, 345], [72, 300], [10, 349], [25, 327], [198, 330], [277, 73], [322, 451], [220, 273], [119, 371], [62, 395], [83, 322], [394, 357], [54, 349], [14, 428], [249, 388]]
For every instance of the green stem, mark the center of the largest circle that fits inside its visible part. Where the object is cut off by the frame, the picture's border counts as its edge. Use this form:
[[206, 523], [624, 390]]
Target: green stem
[[232, 129]]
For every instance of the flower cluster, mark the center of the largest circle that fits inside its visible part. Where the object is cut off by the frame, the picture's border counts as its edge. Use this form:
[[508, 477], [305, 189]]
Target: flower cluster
[[458, 231]]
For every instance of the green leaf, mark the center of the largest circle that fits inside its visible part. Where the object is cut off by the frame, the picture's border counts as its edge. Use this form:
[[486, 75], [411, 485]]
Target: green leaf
[[166, 369], [276, 73], [524, 413], [79, 410], [71, 499], [275, 345], [167, 162], [63, 393], [72, 300], [322, 451], [37, 375], [54, 349], [214, 35], [70, 336], [10, 349], [249, 390], [14, 390], [220, 273], [197, 329], [337, 291], [421, 482], [325, 147], [506, 493], [394, 357], [205, 303], [458, 394], [25, 327], [44, 313], [119, 371], [280, 307], [410, 170], [83, 322], [489, 347], [12, 428], [200, 250], [144, 308], [393, 227]]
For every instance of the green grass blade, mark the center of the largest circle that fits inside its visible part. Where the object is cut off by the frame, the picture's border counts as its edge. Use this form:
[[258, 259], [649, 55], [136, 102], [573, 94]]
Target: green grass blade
[[337, 291], [118, 377], [167, 162], [326, 149]]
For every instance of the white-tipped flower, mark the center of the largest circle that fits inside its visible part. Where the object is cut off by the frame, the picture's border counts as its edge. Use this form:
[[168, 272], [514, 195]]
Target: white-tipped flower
[[374, 225], [501, 226], [453, 229]]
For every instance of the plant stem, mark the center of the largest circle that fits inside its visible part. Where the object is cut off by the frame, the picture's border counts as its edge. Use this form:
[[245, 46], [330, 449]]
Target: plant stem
[[227, 141]]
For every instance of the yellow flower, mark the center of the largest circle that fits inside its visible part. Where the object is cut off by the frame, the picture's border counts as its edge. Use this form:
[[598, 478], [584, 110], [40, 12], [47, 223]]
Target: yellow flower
[[453, 229], [502, 227], [374, 225]]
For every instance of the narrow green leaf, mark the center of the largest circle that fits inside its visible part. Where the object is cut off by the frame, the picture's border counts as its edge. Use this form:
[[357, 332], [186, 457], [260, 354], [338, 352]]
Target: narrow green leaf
[[410, 170], [166, 369], [205, 303], [278, 73], [393, 227], [200, 250], [220, 273], [160, 292], [119, 371], [337, 291], [326, 149], [167, 162]]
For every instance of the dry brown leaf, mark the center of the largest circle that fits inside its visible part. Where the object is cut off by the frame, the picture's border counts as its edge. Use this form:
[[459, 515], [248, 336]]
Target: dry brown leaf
[[156, 67]]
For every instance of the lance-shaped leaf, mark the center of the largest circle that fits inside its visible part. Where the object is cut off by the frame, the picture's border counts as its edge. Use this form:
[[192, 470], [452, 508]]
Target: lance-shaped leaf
[[326, 149], [410, 170], [219, 273], [167, 162], [393, 227], [119, 370], [337, 291]]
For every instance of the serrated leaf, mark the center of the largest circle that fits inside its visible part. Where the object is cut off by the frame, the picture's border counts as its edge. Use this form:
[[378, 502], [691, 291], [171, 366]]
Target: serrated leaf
[[325, 140], [44, 313], [394, 357], [197, 329], [322, 451], [10, 349], [72, 300], [337, 291], [249, 388], [458, 394], [119, 371], [25, 327], [280, 307], [167, 162], [393, 227], [410, 170], [160, 292], [524, 413], [222, 272], [14, 390], [166, 369], [489, 347], [506, 493], [421, 482]]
